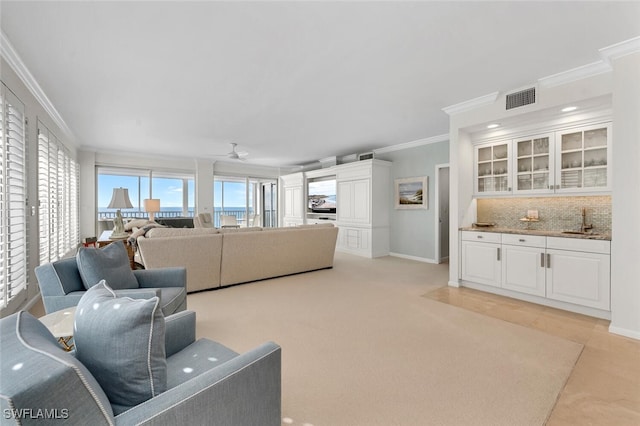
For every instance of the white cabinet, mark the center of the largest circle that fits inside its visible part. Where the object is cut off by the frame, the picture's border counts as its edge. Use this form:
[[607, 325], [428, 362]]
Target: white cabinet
[[523, 267], [568, 273], [584, 158], [481, 258], [534, 164], [354, 201], [578, 271], [292, 199], [492, 168], [363, 199], [570, 160]]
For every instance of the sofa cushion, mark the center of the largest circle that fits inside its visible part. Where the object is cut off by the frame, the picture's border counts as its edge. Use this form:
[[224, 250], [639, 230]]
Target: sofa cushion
[[36, 373], [110, 263], [188, 363], [122, 342]]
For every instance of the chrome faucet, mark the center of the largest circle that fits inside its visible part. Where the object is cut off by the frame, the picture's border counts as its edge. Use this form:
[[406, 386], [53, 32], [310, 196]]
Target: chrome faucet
[[584, 227]]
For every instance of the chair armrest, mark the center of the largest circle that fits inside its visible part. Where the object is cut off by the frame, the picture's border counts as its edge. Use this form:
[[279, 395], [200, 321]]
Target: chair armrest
[[57, 303], [164, 277], [180, 331], [138, 293], [245, 390]]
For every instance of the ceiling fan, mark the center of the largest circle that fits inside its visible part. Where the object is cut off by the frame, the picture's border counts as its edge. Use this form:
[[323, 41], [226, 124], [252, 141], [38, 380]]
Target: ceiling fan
[[234, 154]]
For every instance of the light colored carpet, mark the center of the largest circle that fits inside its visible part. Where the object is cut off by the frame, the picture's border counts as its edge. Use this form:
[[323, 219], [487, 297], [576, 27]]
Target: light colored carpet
[[361, 347]]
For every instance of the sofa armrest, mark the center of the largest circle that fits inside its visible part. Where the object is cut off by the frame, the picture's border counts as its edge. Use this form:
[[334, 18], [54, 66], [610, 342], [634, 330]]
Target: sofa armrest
[[245, 390], [180, 331], [164, 277]]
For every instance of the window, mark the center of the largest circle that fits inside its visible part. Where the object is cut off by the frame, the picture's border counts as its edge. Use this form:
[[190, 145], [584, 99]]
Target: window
[[57, 196], [174, 189], [242, 197], [13, 199]]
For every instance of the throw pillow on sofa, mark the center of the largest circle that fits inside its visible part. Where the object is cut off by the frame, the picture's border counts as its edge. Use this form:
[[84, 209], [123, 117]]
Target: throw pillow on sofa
[[122, 343], [110, 263]]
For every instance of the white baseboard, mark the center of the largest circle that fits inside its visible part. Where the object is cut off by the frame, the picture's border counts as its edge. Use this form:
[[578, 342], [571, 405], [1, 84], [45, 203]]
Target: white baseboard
[[416, 258], [633, 334], [454, 284]]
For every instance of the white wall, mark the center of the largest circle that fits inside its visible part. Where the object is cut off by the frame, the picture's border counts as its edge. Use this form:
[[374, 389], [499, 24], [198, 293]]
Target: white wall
[[625, 240]]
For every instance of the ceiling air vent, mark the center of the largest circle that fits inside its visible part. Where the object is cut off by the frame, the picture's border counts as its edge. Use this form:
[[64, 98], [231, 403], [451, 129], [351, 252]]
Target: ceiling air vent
[[521, 98]]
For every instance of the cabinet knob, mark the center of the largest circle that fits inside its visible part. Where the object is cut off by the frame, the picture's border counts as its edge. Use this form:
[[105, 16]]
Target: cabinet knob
[[479, 236], [521, 240]]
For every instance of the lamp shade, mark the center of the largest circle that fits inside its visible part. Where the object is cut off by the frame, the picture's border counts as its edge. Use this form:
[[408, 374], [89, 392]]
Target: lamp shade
[[152, 205], [120, 199]]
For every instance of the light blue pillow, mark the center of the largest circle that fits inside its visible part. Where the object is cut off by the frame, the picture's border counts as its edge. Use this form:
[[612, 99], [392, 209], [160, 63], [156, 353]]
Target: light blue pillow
[[110, 263], [121, 341]]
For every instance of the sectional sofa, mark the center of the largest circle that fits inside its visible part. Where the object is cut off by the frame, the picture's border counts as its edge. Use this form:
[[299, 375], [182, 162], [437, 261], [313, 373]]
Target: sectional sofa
[[222, 257]]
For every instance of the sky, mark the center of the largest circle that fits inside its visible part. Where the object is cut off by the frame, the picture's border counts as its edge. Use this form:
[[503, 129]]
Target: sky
[[169, 191]]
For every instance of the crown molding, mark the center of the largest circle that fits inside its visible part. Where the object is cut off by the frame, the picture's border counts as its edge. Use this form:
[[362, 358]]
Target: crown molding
[[621, 49], [413, 144], [15, 62], [471, 104], [589, 70]]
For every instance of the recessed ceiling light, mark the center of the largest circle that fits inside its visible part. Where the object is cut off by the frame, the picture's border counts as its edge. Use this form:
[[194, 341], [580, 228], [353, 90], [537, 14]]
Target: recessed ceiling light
[[493, 126], [569, 109]]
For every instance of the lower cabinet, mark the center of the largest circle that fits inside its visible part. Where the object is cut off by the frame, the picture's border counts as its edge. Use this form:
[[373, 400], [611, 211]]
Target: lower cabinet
[[481, 258], [523, 267], [568, 270], [580, 277]]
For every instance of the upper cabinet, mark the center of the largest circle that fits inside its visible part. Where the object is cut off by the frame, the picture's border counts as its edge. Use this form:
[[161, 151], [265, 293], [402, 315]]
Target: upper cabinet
[[583, 159], [574, 160], [492, 170], [533, 164]]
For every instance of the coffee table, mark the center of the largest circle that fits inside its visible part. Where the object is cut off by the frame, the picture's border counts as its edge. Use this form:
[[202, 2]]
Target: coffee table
[[60, 324]]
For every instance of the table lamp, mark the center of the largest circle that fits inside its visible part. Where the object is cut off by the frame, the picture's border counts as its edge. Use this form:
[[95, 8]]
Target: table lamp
[[119, 200], [151, 206]]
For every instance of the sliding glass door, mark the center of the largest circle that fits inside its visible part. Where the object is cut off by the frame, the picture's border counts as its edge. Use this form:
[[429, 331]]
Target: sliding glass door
[[245, 199]]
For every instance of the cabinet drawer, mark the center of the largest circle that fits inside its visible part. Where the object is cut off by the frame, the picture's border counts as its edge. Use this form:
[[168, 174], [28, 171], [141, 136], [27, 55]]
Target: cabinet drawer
[[524, 240], [487, 237], [577, 244]]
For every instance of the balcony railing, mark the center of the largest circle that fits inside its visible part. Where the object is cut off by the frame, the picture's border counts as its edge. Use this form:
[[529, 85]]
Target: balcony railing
[[240, 214]]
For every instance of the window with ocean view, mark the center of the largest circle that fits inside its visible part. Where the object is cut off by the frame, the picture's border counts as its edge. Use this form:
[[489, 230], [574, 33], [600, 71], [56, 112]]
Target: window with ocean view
[[243, 197], [176, 192]]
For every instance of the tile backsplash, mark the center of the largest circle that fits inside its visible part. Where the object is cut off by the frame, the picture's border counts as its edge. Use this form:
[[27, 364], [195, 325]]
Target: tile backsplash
[[554, 213]]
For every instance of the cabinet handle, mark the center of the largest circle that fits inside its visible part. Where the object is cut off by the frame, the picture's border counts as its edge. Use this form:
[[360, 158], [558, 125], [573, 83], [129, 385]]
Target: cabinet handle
[[521, 240], [509, 189], [542, 260], [479, 236], [548, 260], [498, 249]]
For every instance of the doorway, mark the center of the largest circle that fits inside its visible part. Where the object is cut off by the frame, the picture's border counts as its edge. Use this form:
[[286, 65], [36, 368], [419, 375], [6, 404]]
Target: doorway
[[442, 213]]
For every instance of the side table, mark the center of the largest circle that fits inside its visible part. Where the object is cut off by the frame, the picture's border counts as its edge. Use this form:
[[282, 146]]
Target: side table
[[105, 239], [60, 324]]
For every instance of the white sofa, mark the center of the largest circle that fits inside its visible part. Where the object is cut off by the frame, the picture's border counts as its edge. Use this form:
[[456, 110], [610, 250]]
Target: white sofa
[[222, 257]]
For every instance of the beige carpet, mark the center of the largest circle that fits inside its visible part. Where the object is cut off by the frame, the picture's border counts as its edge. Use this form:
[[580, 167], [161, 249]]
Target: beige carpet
[[361, 347]]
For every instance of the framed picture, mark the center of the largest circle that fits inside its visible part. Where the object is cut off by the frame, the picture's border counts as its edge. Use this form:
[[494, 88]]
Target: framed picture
[[412, 193]]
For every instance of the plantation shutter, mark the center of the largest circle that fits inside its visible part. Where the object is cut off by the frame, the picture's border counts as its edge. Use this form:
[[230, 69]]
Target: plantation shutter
[[13, 199], [58, 197]]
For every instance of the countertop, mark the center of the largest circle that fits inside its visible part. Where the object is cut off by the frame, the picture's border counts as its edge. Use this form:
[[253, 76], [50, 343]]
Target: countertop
[[587, 236]]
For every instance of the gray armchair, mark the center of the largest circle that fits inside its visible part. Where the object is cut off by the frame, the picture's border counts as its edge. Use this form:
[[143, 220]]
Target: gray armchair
[[39, 381], [61, 286]]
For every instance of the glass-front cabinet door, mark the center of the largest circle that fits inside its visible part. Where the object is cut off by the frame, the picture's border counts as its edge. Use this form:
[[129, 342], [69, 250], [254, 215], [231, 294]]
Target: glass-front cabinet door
[[493, 168], [533, 164], [584, 156]]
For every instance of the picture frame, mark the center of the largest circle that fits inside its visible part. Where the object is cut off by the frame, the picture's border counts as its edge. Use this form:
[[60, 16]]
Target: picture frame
[[412, 193]]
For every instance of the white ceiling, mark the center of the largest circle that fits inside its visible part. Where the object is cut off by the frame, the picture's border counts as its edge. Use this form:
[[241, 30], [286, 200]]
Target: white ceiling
[[292, 82]]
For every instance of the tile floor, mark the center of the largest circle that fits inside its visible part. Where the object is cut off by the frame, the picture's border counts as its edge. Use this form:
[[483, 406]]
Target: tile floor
[[604, 387]]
